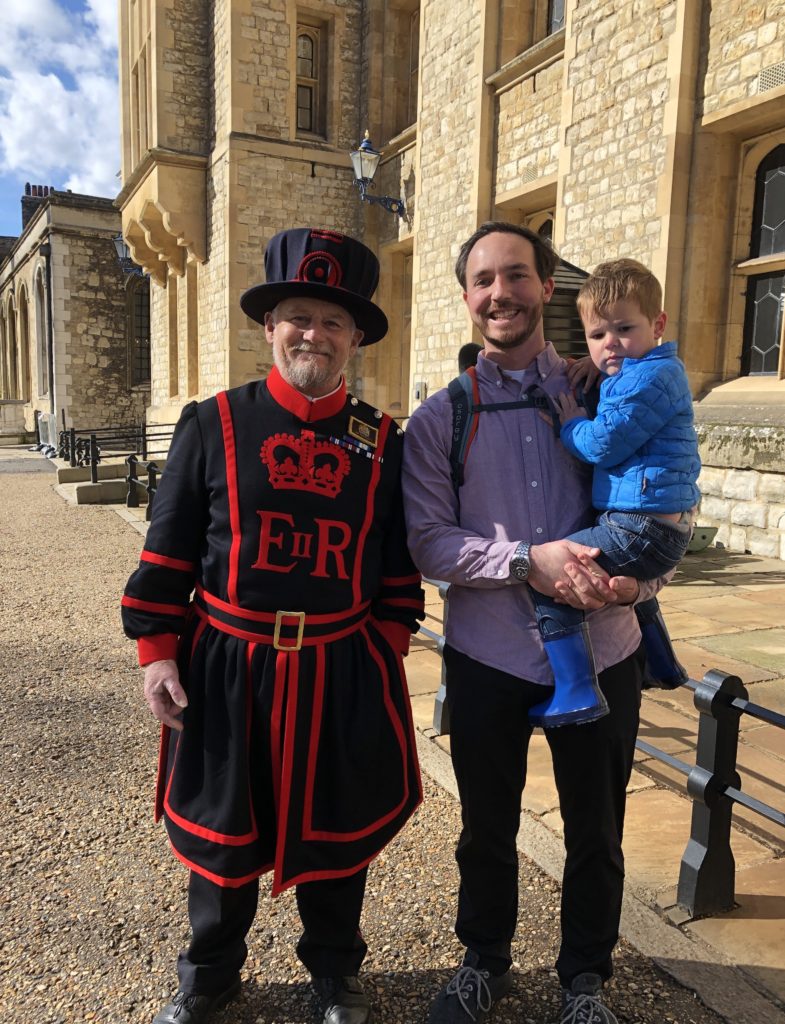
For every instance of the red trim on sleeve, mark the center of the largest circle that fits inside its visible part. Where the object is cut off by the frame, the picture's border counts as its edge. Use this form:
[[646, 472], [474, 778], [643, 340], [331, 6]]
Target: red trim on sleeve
[[164, 560], [161, 647], [403, 602], [401, 581], [230, 455], [152, 606]]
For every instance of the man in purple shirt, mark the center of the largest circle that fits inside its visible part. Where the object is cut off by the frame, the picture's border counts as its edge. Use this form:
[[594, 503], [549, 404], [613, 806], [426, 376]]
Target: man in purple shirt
[[522, 491]]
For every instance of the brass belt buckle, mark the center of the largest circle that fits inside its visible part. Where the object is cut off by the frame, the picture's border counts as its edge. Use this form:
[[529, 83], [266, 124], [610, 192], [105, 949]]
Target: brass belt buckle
[[279, 617]]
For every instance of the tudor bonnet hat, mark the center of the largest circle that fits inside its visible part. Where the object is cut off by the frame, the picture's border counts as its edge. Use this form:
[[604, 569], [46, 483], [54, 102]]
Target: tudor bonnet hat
[[319, 264]]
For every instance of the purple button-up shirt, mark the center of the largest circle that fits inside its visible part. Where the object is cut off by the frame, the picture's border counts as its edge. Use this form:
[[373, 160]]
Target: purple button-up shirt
[[520, 484]]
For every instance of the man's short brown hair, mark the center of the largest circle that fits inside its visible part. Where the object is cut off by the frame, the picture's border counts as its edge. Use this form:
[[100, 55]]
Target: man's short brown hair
[[620, 281], [545, 257]]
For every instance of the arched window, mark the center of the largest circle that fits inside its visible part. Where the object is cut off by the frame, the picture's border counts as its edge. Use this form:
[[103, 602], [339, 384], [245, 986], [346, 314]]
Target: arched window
[[24, 345], [311, 77], [3, 358], [138, 327], [307, 82], [763, 321], [12, 357], [41, 346]]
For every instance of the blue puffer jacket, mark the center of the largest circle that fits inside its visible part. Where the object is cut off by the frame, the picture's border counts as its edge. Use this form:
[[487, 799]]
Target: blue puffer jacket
[[642, 443]]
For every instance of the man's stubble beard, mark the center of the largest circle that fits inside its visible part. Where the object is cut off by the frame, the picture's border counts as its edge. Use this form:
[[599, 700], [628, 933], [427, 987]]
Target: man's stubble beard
[[534, 316]]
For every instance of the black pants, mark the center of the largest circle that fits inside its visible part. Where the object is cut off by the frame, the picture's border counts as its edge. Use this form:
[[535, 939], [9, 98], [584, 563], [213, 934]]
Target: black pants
[[330, 946], [489, 738]]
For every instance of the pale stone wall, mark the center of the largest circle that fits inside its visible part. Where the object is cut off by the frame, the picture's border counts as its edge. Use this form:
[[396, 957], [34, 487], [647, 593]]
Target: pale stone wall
[[182, 77], [748, 506], [270, 193], [743, 39], [529, 116], [450, 83], [619, 84], [90, 325]]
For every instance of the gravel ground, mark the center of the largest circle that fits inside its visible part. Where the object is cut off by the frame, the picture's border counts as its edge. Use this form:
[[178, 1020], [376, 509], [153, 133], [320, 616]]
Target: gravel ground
[[92, 910]]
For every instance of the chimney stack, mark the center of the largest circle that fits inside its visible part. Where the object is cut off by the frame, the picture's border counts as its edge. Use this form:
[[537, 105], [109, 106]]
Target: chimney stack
[[32, 199]]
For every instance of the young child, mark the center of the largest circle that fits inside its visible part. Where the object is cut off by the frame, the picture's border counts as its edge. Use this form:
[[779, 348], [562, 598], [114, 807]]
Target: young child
[[643, 446]]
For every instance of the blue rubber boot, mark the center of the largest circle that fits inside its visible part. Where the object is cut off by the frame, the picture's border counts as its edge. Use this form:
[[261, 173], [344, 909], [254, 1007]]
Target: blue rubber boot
[[662, 670], [576, 697]]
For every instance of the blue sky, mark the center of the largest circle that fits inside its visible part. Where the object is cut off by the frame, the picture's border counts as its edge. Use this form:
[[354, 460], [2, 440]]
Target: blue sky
[[59, 106]]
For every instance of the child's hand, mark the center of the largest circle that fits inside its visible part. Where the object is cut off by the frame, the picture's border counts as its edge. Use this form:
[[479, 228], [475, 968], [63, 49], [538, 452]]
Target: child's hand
[[582, 371], [568, 407]]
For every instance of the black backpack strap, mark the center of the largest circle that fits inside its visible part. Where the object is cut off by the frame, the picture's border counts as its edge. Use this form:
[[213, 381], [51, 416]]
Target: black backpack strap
[[461, 391]]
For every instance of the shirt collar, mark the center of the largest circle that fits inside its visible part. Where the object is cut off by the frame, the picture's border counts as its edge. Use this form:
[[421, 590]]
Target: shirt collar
[[540, 368], [302, 406]]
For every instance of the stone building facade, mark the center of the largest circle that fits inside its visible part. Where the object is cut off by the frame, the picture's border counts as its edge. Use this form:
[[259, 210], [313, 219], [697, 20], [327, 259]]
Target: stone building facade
[[646, 128], [74, 329]]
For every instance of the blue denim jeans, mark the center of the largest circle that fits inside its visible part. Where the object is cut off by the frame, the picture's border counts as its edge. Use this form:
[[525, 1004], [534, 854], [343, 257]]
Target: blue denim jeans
[[631, 544]]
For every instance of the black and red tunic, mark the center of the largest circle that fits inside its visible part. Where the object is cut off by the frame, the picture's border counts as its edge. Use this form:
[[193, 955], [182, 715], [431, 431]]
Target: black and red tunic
[[276, 570]]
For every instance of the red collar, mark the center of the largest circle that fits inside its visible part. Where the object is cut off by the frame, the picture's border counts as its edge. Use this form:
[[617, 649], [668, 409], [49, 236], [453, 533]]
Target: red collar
[[304, 408]]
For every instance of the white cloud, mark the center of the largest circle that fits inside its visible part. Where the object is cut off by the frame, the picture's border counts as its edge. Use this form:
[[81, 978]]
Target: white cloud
[[59, 113]]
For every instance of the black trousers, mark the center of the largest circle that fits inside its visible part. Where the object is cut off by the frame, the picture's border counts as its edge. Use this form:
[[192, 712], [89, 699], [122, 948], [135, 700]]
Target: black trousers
[[331, 944], [489, 739]]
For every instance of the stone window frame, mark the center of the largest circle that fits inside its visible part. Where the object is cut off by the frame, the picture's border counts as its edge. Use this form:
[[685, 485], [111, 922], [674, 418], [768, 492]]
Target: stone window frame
[[535, 221], [43, 383], [525, 33], [3, 355], [317, 30], [11, 375], [136, 40], [134, 286], [753, 153], [401, 68], [24, 344]]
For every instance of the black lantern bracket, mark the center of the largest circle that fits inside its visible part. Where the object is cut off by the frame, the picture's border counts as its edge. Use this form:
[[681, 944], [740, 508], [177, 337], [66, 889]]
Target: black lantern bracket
[[365, 162]]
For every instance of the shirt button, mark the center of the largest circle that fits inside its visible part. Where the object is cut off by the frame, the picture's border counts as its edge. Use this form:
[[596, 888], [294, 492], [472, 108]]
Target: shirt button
[[528, 438], [534, 483], [538, 530]]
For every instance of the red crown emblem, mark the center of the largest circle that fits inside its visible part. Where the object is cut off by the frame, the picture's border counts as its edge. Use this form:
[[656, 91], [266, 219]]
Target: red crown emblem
[[305, 464]]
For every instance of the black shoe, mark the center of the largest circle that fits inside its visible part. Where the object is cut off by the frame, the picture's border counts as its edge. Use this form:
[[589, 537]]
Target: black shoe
[[470, 995], [341, 1001], [186, 1008], [582, 1002]]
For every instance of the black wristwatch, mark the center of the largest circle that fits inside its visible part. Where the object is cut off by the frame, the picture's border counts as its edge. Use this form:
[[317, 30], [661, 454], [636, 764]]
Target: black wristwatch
[[520, 563]]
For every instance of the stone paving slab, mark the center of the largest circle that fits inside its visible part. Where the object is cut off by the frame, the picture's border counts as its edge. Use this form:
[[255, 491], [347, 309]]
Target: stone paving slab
[[763, 647], [753, 934]]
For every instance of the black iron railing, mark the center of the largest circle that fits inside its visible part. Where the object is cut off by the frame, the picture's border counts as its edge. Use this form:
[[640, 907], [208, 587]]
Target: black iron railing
[[90, 447], [137, 484], [707, 873]]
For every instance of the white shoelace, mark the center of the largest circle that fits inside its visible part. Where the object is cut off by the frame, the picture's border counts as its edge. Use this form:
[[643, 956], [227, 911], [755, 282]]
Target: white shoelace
[[463, 986], [586, 1009]]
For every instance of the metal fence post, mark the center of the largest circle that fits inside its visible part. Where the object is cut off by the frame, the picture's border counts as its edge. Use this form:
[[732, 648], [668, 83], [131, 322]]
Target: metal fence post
[[441, 709], [72, 447], [132, 497], [152, 485], [94, 457], [706, 878]]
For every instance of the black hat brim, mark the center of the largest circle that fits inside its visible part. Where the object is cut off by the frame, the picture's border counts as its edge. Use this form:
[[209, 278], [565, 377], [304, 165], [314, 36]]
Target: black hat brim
[[263, 298]]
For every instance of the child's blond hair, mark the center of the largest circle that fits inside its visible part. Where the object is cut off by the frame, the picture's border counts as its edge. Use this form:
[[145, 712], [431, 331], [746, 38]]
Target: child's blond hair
[[619, 281]]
